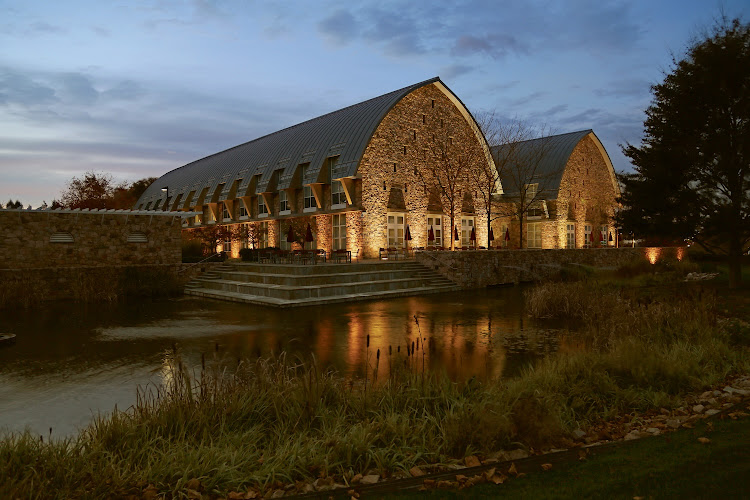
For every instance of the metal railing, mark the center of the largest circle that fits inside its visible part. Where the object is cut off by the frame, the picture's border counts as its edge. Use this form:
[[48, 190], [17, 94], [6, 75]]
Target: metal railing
[[200, 262]]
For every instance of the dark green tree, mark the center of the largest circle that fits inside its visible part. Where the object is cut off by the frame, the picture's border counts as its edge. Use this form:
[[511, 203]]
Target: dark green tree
[[692, 169]]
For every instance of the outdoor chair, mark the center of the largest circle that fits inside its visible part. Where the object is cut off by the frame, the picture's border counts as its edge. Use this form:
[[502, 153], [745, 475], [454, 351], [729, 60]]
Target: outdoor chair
[[320, 255]]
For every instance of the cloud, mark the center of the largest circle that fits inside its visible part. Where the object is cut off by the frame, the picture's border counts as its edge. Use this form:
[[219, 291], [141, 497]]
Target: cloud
[[44, 29], [456, 70], [77, 89], [625, 88], [340, 27], [19, 89], [127, 90], [496, 46]]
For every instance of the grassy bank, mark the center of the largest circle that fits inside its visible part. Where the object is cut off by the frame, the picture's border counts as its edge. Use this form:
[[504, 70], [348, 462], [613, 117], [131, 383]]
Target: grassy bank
[[673, 466], [261, 424]]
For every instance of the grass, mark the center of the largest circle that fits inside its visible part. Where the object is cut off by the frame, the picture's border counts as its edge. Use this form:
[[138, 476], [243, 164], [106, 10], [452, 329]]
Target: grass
[[669, 466], [271, 421]]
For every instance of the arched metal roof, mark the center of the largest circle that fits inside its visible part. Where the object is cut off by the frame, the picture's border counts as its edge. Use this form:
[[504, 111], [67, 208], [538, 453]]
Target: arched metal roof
[[345, 133], [552, 153]]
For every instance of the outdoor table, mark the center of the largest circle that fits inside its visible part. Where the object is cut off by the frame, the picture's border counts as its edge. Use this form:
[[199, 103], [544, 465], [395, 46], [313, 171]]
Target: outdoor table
[[337, 255]]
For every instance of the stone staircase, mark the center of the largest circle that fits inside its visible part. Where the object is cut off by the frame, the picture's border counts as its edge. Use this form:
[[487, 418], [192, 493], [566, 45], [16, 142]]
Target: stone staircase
[[286, 285]]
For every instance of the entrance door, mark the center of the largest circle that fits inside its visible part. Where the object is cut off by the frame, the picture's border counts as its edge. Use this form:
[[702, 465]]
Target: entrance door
[[396, 228]]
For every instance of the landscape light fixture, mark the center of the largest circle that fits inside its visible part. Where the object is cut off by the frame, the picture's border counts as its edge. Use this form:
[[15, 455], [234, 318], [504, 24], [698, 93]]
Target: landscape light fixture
[[165, 189]]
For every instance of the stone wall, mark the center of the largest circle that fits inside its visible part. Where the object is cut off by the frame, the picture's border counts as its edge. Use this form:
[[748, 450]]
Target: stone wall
[[481, 268], [99, 238], [409, 142], [29, 287], [586, 196]]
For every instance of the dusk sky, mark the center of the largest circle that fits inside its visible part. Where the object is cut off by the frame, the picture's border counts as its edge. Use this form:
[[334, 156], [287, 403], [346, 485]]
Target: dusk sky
[[138, 88]]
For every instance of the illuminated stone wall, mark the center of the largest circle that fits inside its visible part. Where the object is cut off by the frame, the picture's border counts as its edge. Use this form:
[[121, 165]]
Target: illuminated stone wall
[[587, 195], [481, 268], [100, 238], [402, 143]]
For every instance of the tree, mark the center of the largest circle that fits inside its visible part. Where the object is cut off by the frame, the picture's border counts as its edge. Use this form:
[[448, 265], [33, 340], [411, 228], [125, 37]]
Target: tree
[[98, 191], [519, 161], [14, 204], [692, 169], [448, 173]]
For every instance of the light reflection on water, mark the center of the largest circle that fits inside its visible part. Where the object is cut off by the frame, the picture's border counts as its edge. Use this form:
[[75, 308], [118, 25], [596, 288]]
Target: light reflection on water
[[72, 360]]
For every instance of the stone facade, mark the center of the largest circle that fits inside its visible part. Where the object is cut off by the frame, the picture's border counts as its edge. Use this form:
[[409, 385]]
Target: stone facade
[[408, 141], [422, 129], [479, 269], [35, 239], [586, 196]]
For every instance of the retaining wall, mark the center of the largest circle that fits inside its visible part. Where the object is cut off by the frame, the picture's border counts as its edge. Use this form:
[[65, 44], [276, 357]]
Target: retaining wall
[[481, 268], [70, 238]]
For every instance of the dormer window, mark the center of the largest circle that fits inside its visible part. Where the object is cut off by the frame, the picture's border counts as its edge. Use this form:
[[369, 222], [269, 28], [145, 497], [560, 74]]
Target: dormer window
[[225, 212], [262, 207]]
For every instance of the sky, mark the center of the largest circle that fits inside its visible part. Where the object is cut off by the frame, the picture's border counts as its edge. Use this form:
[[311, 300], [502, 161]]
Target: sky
[[137, 88]]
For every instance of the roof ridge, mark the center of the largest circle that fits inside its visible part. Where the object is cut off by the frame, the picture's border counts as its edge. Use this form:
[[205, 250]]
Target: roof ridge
[[588, 130], [413, 86]]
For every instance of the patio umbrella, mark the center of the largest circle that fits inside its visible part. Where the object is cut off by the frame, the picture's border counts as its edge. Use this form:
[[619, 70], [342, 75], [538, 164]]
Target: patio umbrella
[[507, 234], [455, 233], [610, 236], [473, 236], [308, 234], [408, 234], [492, 235], [431, 235], [290, 235]]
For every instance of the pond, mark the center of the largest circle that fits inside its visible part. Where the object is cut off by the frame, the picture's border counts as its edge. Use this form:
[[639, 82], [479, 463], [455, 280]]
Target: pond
[[72, 361]]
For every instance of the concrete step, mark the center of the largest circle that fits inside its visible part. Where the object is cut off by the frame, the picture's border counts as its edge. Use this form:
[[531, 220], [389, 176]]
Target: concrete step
[[314, 301], [304, 292], [287, 285], [313, 279]]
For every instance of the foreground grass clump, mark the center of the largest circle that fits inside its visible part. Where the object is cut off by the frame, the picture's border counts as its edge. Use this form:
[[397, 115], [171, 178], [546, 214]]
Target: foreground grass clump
[[258, 423]]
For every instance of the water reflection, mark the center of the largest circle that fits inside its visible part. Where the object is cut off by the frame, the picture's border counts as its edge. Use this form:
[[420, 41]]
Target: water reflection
[[71, 360]]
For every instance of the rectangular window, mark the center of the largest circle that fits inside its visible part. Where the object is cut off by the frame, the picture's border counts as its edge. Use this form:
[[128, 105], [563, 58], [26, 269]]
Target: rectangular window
[[587, 236], [571, 236], [225, 212], [531, 191], [534, 235], [338, 198], [263, 236], [396, 230], [436, 224], [603, 234], [283, 201], [243, 210], [339, 231], [262, 207], [198, 219], [211, 218], [467, 224], [227, 246], [309, 197]]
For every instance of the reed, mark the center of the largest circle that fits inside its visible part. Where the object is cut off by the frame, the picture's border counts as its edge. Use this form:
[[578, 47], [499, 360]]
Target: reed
[[244, 424]]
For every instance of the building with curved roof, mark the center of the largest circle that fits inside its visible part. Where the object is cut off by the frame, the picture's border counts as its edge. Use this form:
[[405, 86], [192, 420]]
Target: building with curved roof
[[363, 177], [565, 188]]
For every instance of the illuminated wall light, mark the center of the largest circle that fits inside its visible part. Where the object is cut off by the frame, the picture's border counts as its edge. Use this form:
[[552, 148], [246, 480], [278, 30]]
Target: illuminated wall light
[[680, 253], [653, 254]]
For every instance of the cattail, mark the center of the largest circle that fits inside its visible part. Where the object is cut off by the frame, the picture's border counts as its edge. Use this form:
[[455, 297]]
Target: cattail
[[378, 355], [412, 347], [368, 340], [398, 349], [390, 350], [203, 361]]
